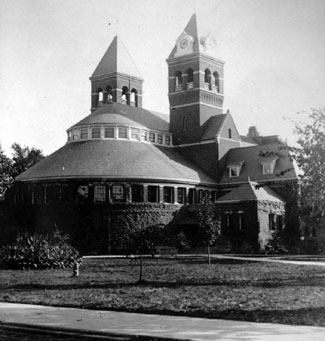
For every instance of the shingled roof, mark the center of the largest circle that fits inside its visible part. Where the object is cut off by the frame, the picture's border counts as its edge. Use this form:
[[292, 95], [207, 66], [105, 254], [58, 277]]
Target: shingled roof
[[252, 167], [116, 159], [120, 113], [116, 59], [250, 192]]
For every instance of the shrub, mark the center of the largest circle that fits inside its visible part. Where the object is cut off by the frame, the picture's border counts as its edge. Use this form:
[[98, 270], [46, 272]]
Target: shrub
[[37, 251]]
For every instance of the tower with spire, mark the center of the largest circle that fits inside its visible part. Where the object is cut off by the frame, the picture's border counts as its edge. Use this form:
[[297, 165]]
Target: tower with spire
[[196, 88], [116, 78]]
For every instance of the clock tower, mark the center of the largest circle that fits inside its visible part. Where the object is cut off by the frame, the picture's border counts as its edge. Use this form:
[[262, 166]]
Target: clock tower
[[196, 89]]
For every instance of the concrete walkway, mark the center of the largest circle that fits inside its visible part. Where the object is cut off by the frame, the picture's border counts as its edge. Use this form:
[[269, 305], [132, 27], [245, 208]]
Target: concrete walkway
[[110, 325], [272, 259]]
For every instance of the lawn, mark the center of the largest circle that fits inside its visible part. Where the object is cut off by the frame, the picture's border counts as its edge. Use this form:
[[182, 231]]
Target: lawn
[[228, 289]]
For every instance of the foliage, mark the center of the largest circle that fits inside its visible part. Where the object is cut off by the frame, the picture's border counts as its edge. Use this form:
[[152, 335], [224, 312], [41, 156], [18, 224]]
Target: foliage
[[209, 226], [310, 156], [24, 158], [36, 251], [6, 178]]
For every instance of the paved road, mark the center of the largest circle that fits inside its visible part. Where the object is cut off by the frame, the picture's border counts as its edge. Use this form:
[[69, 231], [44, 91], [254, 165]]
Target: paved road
[[152, 327]]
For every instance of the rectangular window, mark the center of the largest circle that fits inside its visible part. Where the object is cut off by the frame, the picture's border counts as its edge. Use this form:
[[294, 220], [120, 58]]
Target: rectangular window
[[135, 134], [168, 194], [167, 140], [75, 134], [271, 222], [181, 195], [109, 132], [153, 193], [99, 193], [152, 137], [84, 133], [160, 139], [95, 133], [123, 133], [69, 135], [137, 193], [191, 195], [118, 193], [233, 171], [144, 135], [267, 168]]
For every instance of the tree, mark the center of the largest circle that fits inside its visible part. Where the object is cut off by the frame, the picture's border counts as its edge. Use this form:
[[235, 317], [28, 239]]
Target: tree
[[310, 157], [6, 178], [24, 158], [209, 225]]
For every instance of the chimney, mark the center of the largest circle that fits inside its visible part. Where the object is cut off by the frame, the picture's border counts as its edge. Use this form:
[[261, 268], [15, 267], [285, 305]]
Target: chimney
[[253, 133]]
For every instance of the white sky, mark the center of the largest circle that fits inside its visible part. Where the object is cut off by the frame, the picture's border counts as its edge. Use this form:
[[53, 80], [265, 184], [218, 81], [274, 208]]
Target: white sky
[[274, 52]]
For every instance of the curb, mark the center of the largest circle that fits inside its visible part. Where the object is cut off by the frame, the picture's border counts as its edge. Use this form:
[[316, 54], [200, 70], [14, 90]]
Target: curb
[[28, 329]]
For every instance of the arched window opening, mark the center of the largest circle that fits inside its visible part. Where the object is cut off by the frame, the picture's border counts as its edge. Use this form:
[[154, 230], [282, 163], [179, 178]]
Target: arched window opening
[[229, 133], [190, 78], [100, 97], [207, 79], [109, 96], [216, 85], [134, 98], [178, 81], [125, 95]]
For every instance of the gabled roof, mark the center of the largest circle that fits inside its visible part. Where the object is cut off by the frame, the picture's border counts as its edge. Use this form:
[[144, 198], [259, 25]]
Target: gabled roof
[[116, 59], [116, 113], [252, 168], [116, 159], [249, 192]]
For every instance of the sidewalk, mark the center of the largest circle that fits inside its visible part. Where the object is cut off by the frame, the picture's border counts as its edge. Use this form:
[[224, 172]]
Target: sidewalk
[[151, 327]]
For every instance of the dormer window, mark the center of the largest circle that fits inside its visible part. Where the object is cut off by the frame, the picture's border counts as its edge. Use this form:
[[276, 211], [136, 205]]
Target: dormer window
[[95, 133], [235, 168], [84, 133], [268, 166], [122, 133], [109, 132], [234, 171]]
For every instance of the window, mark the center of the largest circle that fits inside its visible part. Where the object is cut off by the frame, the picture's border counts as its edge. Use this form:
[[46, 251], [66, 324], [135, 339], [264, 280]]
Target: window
[[82, 194], [99, 193], [233, 171], [144, 135], [168, 194], [153, 193], [271, 222], [109, 96], [137, 193], [152, 137], [229, 133], [123, 133], [207, 79], [167, 140], [109, 132], [84, 133], [229, 220], [241, 225], [69, 135], [75, 134], [134, 98], [216, 81], [135, 134], [181, 195], [279, 222], [125, 95], [191, 196], [267, 168], [118, 193], [160, 139], [95, 133], [100, 97], [185, 119], [190, 79], [178, 81]]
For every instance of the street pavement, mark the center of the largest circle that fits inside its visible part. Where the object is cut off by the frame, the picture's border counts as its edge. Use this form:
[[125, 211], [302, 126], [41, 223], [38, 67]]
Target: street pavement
[[111, 325]]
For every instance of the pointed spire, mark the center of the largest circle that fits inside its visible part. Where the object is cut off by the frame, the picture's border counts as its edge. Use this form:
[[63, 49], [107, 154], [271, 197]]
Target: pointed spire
[[116, 59], [200, 40]]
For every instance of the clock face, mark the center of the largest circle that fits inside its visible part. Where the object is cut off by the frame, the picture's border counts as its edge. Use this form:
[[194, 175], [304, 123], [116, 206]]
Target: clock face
[[184, 43]]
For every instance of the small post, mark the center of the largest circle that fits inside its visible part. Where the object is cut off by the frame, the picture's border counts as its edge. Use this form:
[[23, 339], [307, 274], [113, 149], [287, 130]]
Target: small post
[[76, 267]]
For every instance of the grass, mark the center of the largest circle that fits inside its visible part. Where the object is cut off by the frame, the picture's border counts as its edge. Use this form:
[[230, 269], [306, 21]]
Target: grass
[[228, 289]]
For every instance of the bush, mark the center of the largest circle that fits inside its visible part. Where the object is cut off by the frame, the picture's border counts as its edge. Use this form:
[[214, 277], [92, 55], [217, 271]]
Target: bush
[[36, 251]]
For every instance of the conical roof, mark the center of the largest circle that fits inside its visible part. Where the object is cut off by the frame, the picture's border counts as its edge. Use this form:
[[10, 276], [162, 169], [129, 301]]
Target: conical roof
[[116, 59]]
